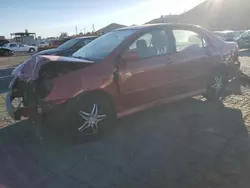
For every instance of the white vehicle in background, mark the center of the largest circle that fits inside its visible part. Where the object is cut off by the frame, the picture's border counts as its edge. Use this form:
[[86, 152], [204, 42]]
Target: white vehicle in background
[[21, 47], [43, 44]]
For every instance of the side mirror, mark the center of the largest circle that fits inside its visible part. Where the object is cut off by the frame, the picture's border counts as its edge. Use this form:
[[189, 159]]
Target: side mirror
[[130, 56]]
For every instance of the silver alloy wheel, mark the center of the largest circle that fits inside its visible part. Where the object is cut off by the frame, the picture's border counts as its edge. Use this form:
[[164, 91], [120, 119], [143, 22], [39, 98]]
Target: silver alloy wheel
[[218, 84], [91, 119]]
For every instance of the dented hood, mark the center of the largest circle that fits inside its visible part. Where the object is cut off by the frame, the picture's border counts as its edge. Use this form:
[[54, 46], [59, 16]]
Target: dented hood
[[29, 70]]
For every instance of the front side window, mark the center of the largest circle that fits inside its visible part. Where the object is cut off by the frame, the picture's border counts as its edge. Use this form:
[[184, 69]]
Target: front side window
[[101, 47], [21, 45], [151, 44], [186, 39], [13, 45]]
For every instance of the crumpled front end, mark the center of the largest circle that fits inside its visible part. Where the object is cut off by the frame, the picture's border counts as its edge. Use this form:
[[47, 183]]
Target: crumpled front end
[[25, 101], [33, 82]]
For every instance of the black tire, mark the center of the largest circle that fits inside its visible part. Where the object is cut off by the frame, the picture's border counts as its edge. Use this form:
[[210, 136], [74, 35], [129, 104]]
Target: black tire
[[75, 117], [216, 85], [5, 53], [32, 50]]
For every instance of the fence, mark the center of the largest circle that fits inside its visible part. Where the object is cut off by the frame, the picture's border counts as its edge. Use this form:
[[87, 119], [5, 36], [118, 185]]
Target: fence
[[5, 79]]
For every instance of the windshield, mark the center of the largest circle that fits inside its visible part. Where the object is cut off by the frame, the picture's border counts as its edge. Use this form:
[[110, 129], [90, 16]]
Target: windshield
[[69, 44], [101, 47]]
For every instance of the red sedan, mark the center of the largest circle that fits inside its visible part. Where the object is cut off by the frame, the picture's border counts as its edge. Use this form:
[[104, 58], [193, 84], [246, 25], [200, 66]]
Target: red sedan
[[122, 72]]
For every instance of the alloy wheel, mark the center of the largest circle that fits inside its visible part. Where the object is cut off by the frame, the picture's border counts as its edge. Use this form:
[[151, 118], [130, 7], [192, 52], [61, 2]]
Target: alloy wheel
[[91, 120], [217, 86]]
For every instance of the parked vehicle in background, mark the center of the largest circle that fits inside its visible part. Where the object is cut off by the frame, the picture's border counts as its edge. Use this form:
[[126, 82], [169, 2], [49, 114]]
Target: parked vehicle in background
[[58, 42], [20, 47], [119, 73], [244, 40], [5, 52], [3, 42], [228, 36], [69, 47], [43, 44]]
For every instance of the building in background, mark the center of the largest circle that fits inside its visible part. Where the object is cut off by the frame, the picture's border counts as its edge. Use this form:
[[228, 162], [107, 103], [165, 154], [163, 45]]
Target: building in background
[[24, 37]]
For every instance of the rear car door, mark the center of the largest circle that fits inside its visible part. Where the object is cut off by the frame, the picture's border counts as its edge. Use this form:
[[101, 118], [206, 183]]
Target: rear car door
[[194, 60], [144, 79], [23, 48]]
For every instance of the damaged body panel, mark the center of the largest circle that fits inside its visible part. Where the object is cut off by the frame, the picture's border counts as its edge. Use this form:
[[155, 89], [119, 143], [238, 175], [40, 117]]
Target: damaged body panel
[[44, 82]]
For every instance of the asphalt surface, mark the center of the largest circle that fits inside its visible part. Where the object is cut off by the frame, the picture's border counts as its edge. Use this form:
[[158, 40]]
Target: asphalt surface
[[190, 143]]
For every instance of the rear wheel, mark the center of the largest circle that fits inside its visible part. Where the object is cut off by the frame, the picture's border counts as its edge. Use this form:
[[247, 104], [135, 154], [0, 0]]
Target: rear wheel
[[216, 85]]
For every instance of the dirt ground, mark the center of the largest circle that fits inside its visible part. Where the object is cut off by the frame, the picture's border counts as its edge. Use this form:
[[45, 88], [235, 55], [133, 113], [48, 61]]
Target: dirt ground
[[6, 62]]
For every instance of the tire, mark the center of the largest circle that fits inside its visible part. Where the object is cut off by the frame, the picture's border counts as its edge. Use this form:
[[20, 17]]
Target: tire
[[88, 117], [32, 50], [216, 85], [5, 53]]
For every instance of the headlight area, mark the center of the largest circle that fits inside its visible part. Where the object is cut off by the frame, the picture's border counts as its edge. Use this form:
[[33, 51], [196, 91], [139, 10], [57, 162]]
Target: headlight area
[[26, 99]]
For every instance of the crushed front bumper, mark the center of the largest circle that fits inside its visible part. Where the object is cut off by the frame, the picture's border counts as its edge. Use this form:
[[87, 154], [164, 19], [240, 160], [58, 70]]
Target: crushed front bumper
[[43, 110], [17, 113]]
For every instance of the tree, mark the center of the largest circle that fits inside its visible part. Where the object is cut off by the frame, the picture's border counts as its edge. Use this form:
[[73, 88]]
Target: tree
[[63, 35]]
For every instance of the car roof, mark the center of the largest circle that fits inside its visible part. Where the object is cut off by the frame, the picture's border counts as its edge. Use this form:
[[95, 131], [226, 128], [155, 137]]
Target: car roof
[[148, 26]]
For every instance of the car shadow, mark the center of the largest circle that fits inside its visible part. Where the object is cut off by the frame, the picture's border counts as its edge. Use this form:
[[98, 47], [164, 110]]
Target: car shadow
[[171, 145]]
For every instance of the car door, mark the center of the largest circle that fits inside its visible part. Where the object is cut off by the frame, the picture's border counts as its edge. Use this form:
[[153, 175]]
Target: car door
[[194, 60], [14, 47], [143, 74], [22, 48]]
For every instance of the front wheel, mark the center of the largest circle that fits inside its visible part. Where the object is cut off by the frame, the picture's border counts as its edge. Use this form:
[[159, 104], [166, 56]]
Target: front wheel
[[216, 85], [31, 50], [89, 117]]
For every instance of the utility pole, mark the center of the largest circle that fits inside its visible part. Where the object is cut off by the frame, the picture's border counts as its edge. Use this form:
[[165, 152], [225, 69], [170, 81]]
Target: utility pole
[[76, 29], [93, 27], [84, 30]]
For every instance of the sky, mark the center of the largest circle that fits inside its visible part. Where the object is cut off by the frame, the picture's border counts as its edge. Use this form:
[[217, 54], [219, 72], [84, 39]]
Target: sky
[[49, 18]]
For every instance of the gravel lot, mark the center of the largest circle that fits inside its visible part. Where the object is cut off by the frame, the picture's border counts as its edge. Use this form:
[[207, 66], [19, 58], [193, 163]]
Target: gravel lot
[[190, 143], [6, 62]]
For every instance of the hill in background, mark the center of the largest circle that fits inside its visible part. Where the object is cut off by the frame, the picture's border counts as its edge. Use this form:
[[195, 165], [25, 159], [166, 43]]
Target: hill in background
[[215, 15], [110, 27], [211, 14]]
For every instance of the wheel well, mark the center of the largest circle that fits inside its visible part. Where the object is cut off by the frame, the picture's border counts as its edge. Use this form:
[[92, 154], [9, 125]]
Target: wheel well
[[98, 93]]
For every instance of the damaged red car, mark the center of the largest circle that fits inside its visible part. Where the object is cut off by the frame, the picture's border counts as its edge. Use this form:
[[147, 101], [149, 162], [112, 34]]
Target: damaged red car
[[122, 72]]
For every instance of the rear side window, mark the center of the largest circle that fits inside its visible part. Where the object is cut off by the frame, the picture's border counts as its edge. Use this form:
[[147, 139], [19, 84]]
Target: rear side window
[[186, 39]]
